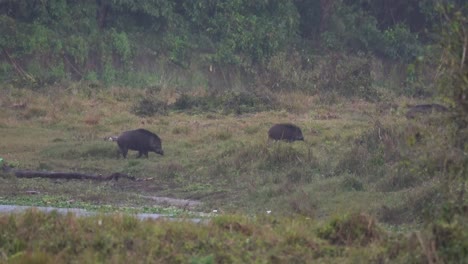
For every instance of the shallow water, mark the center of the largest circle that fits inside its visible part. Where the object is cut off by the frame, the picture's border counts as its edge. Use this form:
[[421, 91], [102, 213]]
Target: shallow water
[[9, 209]]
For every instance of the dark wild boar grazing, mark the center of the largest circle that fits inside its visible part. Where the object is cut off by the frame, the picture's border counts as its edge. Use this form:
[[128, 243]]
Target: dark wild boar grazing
[[140, 140], [424, 109], [286, 132]]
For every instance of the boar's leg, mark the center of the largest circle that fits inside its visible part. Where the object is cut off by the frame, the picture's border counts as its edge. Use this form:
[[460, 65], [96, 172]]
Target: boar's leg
[[124, 152], [142, 152]]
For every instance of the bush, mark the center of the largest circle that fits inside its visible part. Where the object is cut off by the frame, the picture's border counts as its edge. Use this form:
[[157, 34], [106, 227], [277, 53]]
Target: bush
[[149, 107], [350, 28], [400, 43], [289, 71], [121, 45], [227, 103], [451, 234], [351, 229]]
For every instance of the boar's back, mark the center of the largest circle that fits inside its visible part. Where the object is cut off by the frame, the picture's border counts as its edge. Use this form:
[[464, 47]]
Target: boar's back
[[288, 132]]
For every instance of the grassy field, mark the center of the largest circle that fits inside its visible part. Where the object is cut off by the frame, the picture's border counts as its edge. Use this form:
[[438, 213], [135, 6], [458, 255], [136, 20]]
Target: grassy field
[[358, 158]]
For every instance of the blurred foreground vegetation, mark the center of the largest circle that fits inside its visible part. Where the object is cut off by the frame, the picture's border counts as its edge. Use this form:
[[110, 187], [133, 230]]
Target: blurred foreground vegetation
[[36, 237]]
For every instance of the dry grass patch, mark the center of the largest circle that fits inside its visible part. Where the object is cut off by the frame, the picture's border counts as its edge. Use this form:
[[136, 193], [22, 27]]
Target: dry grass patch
[[296, 101]]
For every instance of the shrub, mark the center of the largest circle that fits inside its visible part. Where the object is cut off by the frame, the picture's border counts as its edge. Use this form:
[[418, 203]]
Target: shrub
[[351, 76], [227, 103], [352, 229], [351, 28], [179, 49], [399, 42], [149, 107], [77, 48], [450, 235], [243, 102], [121, 45], [187, 102], [289, 71]]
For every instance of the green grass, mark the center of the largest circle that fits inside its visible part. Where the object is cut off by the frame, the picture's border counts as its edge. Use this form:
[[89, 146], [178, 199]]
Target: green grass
[[222, 160], [355, 160]]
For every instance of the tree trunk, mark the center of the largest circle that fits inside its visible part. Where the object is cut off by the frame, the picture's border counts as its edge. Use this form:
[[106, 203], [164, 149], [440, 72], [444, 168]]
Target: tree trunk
[[326, 8]]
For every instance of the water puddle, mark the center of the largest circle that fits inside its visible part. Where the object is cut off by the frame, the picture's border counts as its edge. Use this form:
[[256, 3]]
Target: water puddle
[[9, 209]]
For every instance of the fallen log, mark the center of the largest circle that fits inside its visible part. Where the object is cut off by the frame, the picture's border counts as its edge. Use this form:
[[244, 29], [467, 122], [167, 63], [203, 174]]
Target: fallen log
[[69, 175]]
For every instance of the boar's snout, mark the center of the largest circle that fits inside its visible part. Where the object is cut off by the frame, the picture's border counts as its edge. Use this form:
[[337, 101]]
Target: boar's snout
[[160, 152], [156, 147]]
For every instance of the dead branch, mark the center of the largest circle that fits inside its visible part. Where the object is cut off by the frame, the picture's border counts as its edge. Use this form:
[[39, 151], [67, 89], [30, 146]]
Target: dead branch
[[72, 66], [17, 68]]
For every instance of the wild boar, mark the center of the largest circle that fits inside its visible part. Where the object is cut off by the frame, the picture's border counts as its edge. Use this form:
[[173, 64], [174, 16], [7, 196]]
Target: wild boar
[[425, 109], [286, 132], [140, 140]]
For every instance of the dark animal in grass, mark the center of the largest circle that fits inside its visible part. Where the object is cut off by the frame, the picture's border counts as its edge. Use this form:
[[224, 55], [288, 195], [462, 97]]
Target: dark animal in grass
[[140, 140], [425, 109], [286, 132]]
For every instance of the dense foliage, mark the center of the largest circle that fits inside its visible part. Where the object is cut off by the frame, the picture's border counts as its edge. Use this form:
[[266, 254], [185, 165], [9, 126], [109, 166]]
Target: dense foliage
[[128, 41]]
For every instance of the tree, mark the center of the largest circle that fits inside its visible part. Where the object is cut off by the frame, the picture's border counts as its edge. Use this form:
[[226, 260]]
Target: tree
[[453, 78]]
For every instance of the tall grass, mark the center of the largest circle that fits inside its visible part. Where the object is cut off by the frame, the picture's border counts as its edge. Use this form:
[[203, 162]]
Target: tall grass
[[36, 237]]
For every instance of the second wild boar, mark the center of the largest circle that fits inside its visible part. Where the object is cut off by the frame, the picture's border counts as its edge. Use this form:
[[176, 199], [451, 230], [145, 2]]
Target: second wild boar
[[286, 132]]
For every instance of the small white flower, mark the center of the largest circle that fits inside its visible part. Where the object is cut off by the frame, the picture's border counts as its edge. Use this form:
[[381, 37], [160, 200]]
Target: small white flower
[[269, 211], [215, 211]]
